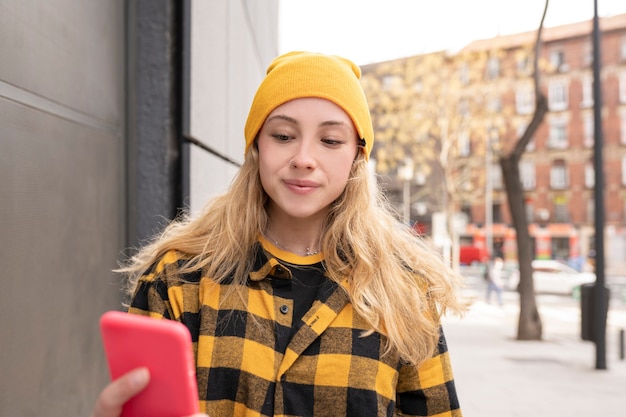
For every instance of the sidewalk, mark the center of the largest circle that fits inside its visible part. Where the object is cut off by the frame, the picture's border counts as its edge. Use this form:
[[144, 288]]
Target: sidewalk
[[497, 376]]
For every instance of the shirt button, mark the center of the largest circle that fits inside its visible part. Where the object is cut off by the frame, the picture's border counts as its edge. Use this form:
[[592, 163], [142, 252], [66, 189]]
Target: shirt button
[[284, 309]]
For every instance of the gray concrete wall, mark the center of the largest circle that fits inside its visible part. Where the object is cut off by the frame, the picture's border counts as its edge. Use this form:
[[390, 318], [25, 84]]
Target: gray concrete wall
[[62, 203]]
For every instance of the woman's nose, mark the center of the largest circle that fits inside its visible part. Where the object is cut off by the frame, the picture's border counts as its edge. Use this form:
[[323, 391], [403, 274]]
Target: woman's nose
[[305, 156]]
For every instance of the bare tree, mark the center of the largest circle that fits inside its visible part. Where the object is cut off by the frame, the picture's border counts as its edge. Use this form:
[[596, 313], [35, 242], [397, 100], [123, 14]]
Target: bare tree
[[529, 323]]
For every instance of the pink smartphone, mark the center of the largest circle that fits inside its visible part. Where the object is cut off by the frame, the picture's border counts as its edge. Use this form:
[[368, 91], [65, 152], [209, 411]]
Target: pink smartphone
[[164, 347]]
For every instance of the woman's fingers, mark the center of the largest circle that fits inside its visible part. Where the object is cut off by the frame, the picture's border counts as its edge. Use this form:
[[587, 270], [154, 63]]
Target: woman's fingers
[[114, 395], [118, 392]]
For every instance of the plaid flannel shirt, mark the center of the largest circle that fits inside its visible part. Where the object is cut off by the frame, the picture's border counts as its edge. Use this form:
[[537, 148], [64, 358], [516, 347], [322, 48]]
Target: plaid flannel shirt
[[248, 363]]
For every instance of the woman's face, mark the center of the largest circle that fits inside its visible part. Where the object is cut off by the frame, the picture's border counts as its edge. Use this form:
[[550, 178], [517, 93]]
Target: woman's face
[[306, 150]]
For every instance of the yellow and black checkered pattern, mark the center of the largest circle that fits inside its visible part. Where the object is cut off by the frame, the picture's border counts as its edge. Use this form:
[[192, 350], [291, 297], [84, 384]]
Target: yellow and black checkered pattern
[[249, 363]]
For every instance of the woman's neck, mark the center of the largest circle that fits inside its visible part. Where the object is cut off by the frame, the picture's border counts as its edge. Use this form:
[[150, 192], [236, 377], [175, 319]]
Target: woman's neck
[[302, 238]]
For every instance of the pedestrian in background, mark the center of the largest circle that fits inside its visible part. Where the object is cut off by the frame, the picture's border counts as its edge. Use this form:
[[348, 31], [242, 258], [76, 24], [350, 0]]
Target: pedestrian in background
[[303, 293], [495, 279]]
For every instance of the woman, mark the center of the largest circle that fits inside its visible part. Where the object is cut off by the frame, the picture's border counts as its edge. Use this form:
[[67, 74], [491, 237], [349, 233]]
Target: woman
[[304, 296]]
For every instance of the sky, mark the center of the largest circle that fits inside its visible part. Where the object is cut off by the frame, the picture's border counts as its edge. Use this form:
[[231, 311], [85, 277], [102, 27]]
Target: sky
[[368, 31]]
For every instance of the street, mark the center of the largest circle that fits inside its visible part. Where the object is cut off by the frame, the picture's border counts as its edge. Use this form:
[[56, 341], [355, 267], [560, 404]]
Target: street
[[498, 376]]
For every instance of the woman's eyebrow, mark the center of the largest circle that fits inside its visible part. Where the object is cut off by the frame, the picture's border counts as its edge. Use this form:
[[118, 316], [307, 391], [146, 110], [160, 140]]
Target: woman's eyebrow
[[334, 123], [325, 123], [282, 117]]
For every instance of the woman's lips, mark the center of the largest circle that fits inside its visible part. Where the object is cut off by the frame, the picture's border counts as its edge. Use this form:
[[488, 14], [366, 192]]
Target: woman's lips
[[301, 186]]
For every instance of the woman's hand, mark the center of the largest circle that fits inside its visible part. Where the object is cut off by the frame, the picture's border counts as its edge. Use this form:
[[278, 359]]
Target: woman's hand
[[114, 395]]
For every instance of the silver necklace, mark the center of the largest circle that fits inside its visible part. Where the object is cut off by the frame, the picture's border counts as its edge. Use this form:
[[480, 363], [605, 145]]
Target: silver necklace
[[307, 253]]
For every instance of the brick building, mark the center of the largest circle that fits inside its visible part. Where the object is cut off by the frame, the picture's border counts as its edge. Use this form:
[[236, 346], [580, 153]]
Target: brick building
[[490, 84]]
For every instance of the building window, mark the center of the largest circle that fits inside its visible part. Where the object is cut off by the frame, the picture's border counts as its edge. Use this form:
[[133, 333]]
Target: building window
[[496, 176], [623, 49], [493, 68], [587, 85], [464, 74], [557, 95], [558, 134], [590, 175], [588, 133], [557, 59], [591, 209], [497, 212], [523, 64], [494, 104], [622, 87], [561, 214], [418, 85], [527, 175], [466, 208], [524, 99], [624, 170], [587, 55], [463, 108], [559, 177], [465, 179], [464, 145], [392, 82]]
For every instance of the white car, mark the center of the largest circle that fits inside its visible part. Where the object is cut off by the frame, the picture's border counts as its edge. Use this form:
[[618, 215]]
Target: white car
[[553, 277]]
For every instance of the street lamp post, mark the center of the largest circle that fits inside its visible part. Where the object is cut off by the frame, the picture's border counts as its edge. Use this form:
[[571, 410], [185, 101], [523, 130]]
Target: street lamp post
[[406, 201], [489, 205], [600, 302], [406, 175]]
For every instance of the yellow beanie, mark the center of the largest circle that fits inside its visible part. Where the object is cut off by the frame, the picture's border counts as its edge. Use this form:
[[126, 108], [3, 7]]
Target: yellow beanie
[[304, 74]]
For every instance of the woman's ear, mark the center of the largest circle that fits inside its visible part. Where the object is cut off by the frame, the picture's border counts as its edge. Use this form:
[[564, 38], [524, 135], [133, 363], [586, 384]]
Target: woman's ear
[[361, 146], [360, 153]]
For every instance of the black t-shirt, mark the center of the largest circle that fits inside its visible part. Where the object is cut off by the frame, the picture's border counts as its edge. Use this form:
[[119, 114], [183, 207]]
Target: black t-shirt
[[307, 278], [301, 288]]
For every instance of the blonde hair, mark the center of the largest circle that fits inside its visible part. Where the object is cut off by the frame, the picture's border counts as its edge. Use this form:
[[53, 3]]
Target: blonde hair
[[396, 280]]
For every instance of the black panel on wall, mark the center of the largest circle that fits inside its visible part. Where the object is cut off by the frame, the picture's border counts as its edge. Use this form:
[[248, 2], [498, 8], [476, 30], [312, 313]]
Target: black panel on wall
[[154, 157]]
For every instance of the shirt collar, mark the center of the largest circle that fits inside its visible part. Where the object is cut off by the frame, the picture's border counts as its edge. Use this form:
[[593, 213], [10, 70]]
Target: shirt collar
[[289, 257]]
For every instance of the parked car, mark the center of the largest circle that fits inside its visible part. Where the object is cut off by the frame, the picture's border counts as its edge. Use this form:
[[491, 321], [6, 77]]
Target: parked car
[[471, 255], [553, 277]]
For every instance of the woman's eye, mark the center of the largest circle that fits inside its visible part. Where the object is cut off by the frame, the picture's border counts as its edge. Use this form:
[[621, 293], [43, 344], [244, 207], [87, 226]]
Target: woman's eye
[[332, 142], [281, 137]]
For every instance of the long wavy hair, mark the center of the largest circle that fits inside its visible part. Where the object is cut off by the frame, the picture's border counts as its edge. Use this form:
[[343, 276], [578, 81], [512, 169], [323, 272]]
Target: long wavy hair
[[396, 280]]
